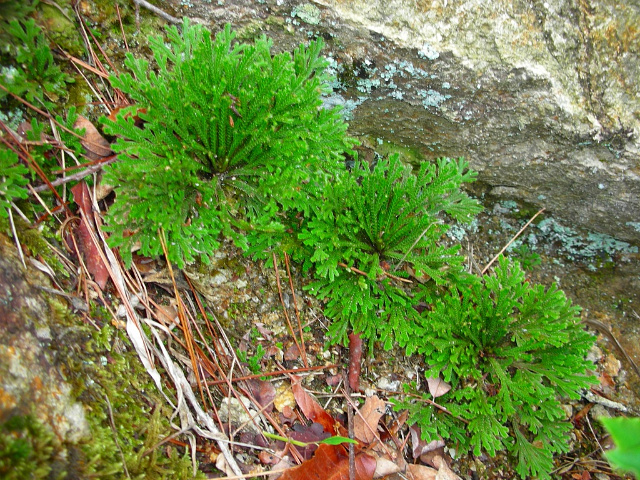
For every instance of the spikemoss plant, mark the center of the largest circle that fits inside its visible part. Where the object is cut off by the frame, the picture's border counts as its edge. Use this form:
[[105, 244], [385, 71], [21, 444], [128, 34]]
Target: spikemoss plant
[[510, 350], [232, 137], [234, 141], [33, 73], [374, 227], [12, 180]]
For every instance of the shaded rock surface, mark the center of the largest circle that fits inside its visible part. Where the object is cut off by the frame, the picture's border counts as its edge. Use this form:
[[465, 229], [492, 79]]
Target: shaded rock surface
[[541, 97]]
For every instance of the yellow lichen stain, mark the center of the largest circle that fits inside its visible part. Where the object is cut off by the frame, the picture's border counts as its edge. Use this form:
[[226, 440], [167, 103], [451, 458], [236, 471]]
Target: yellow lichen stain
[[7, 401]]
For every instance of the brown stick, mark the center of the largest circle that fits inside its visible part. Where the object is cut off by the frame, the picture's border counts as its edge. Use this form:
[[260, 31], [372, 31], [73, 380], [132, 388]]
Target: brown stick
[[355, 359], [157, 11]]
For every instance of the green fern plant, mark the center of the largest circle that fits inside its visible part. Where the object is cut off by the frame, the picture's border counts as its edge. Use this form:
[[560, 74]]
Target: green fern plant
[[626, 435], [374, 227], [510, 350], [12, 180], [232, 137], [33, 74]]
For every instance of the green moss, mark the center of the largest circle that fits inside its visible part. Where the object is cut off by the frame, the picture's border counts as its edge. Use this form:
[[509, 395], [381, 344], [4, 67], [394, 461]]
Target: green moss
[[384, 147], [27, 449], [60, 27], [112, 384]]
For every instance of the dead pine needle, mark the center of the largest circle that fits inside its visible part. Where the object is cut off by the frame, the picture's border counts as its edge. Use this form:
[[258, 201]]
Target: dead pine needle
[[286, 315], [295, 306], [188, 337], [511, 241]]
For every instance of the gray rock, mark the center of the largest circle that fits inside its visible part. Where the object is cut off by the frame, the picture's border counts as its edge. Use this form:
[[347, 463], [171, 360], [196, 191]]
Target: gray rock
[[30, 368], [541, 97]]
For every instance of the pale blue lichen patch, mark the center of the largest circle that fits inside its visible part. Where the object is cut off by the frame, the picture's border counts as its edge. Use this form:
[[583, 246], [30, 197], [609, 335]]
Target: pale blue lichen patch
[[576, 246], [634, 225], [427, 51], [459, 231], [432, 98], [365, 85]]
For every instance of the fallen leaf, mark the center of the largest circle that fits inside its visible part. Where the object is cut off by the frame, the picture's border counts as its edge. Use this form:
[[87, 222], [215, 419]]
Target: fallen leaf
[[331, 462], [312, 409], [365, 425], [420, 472], [285, 462], [267, 458], [274, 352], [288, 412], [137, 120], [96, 145], [262, 330], [444, 472], [582, 413], [385, 467], [87, 247], [437, 386], [223, 466], [399, 422], [334, 380], [308, 434], [420, 447], [606, 381], [292, 353], [263, 392]]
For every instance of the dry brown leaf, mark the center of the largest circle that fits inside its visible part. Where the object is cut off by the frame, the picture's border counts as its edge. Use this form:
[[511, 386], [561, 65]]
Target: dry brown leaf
[[331, 462], [292, 353], [313, 411], [385, 467], [223, 466], [263, 392], [95, 144], [267, 458], [334, 380], [444, 472], [285, 462], [420, 472], [89, 250], [365, 425], [437, 386], [420, 447], [399, 422]]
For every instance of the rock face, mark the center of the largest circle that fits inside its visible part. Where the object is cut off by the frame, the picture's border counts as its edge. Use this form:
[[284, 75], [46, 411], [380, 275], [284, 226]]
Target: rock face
[[541, 97], [31, 377]]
